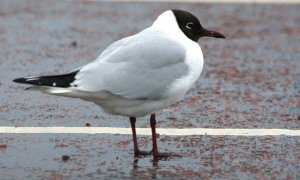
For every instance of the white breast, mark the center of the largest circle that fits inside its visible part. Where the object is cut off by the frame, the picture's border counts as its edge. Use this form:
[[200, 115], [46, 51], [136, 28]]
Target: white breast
[[194, 60], [166, 23]]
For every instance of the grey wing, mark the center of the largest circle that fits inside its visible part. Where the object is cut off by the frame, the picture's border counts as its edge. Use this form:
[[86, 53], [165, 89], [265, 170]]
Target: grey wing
[[115, 46], [138, 69]]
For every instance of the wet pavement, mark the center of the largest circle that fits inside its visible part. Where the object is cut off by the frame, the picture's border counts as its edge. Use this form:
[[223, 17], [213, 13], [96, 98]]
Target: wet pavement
[[249, 80]]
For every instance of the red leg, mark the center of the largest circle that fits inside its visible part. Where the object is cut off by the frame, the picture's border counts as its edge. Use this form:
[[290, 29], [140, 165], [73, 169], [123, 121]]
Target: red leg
[[154, 143], [157, 155], [137, 152], [135, 145]]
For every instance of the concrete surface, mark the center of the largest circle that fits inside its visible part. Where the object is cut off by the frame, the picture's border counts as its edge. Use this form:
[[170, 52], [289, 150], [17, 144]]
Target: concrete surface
[[250, 80]]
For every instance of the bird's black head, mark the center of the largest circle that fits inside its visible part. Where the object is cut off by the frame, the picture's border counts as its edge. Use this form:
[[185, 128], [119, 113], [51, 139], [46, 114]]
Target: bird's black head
[[191, 27]]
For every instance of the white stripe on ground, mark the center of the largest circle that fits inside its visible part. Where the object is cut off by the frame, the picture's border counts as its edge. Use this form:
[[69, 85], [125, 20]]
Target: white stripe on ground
[[215, 1], [147, 131]]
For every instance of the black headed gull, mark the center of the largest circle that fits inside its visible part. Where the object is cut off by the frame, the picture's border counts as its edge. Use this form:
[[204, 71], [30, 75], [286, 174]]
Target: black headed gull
[[139, 74]]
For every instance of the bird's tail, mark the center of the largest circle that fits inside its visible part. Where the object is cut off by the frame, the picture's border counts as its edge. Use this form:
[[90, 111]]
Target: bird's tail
[[61, 85], [59, 91]]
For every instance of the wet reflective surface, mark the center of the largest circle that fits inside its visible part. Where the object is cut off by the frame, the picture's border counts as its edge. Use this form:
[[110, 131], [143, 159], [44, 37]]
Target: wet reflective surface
[[112, 156]]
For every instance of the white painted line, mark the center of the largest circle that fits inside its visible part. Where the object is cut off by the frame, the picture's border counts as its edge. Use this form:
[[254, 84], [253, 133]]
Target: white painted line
[[147, 131], [214, 1]]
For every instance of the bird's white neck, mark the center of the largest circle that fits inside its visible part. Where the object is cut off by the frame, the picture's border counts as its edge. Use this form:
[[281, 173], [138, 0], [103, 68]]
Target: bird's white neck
[[167, 24]]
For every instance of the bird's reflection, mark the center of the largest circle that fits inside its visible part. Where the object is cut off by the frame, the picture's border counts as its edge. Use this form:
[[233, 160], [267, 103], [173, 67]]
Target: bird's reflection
[[136, 168], [155, 163], [135, 164]]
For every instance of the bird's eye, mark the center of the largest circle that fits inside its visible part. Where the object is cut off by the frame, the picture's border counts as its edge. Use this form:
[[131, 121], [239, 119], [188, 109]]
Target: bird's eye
[[189, 25]]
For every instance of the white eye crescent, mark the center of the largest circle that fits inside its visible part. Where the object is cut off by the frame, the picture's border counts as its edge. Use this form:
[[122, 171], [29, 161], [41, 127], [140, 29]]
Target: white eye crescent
[[189, 25]]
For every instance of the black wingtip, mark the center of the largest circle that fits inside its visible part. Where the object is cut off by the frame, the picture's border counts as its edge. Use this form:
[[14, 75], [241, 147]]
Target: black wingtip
[[19, 80], [64, 80]]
